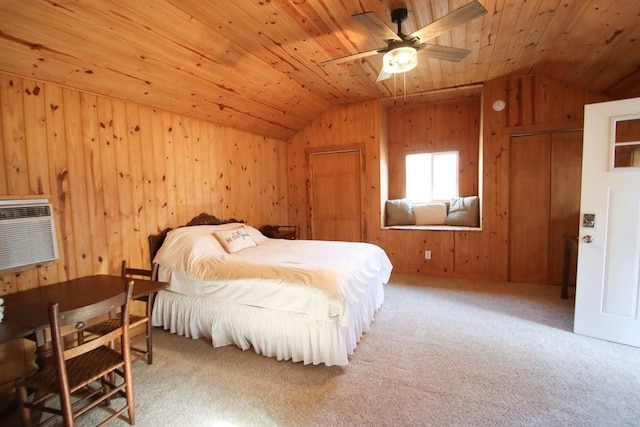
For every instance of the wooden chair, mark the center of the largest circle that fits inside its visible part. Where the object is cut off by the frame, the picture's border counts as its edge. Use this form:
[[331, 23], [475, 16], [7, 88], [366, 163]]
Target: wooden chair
[[135, 321], [92, 372], [147, 351]]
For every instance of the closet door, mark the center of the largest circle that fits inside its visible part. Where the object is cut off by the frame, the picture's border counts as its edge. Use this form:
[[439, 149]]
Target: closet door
[[566, 176], [529, 191], [544, 204], [336, 201]]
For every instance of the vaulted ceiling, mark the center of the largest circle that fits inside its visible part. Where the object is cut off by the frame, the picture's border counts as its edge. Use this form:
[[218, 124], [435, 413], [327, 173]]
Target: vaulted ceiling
[[256, 64]]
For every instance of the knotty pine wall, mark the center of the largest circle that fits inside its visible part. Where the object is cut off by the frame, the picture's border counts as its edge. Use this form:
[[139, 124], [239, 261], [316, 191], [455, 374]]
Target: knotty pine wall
[[117, 172], [443, 126], [534, 104], [359, 124]]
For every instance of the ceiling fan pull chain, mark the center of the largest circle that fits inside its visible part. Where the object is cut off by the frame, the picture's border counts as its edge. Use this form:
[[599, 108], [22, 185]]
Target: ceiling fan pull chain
[[395, 90], [404, 89]]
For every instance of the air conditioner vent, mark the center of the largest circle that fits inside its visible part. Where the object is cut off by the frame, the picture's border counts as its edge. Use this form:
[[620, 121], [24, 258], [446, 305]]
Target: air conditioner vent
[[24, 212], [27, 233]]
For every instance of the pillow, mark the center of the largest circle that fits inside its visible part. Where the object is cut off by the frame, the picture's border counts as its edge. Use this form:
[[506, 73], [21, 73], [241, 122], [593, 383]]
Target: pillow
[[188, 246], [430, 213], [464, 211], [184, 245], [235, 239], [400, 212]]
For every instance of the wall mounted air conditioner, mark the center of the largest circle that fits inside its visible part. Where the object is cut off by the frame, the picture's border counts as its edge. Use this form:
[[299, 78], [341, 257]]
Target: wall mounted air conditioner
[[27, 233]]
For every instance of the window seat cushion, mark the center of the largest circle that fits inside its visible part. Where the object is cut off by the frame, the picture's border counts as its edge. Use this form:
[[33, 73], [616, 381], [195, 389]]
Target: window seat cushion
[[432, 228], [459, 212]]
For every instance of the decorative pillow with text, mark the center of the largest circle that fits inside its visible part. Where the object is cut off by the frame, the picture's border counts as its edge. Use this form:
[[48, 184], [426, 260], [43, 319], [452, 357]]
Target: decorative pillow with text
[[235, 239]]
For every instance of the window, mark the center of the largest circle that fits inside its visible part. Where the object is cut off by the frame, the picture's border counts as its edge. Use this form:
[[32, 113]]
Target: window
[[431, 176]]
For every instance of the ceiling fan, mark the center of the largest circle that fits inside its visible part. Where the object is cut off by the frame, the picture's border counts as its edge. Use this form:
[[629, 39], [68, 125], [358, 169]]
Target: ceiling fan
[[401, 52]]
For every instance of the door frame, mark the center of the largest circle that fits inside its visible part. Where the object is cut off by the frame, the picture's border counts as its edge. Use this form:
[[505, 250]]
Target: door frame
[[336, 149]]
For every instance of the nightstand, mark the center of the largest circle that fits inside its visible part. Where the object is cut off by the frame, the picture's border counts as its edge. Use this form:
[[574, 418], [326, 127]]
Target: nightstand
[[289, 232]]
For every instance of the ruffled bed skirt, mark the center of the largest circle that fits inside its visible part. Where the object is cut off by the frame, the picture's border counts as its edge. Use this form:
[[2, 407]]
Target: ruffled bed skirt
[[280, 334]]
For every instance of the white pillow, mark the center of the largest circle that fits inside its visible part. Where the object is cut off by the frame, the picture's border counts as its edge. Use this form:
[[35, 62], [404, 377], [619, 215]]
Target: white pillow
[[430, 213], [185, 246], [235, 239]]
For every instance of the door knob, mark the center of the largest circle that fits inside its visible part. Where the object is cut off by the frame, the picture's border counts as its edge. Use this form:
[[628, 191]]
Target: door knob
[[587, 239]]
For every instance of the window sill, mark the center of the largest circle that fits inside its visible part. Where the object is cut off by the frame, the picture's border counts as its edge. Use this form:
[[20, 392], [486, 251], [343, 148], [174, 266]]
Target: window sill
[[432, 227]]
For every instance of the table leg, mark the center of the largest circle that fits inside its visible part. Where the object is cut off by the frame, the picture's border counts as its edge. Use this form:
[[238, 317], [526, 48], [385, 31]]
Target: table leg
[[44, 357], [570, 246]]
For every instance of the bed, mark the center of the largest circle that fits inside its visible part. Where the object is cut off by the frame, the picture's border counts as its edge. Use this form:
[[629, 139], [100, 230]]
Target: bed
[[300, 300]]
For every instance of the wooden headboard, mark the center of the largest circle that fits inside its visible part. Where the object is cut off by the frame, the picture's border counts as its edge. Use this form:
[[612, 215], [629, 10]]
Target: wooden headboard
[[156, 240]]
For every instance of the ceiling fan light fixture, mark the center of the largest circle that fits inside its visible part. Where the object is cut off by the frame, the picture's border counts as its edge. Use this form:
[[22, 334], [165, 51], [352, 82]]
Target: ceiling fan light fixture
[[400, 60]]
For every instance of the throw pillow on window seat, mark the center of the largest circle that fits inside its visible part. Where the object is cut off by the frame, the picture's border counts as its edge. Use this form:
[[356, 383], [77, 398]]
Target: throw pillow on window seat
[[464, 211], [400, 212], [430, 213]]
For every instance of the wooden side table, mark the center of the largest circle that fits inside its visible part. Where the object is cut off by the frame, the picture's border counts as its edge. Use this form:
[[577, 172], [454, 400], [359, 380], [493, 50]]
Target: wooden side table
[[289, 232], [570, 248]]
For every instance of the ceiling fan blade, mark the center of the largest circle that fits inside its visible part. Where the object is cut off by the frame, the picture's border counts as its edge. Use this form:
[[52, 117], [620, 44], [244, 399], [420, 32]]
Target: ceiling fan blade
[[376, 25], [383, 75], [352, 57], [459, 16], [443, 52]]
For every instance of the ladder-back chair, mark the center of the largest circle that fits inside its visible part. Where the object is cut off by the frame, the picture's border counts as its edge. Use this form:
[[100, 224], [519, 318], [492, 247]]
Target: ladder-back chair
[[82, 375], [135, 321]]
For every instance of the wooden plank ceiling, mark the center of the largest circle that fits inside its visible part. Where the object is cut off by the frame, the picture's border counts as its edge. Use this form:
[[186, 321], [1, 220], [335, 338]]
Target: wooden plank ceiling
[[255, 64]]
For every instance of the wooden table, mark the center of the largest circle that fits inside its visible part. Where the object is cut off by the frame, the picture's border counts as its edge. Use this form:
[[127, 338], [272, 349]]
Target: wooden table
[[26, 313], [11, 330]]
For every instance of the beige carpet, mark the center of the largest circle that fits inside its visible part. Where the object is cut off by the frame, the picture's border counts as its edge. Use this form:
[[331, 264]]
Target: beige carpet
[[441, 352]]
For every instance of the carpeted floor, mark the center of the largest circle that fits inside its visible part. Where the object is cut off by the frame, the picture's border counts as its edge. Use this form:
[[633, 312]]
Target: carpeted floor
[[440, 352]]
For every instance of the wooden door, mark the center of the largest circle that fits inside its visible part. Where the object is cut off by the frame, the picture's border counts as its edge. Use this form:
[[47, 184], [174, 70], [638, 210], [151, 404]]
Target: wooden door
[[566, 171], [336, 200], [544, 204], [529, 190]]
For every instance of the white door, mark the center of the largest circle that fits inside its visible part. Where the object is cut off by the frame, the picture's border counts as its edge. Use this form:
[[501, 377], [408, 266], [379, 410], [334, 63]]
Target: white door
[[608, 279]]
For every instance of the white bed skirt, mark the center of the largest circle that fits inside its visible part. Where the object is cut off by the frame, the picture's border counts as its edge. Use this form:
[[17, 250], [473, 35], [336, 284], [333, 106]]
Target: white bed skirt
[[280, 334]]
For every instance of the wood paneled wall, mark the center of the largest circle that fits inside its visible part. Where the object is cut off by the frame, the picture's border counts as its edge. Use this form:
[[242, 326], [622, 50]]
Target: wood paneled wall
[[440, 126], [446, 126], [354, 124], [117, 172], [533, 104]]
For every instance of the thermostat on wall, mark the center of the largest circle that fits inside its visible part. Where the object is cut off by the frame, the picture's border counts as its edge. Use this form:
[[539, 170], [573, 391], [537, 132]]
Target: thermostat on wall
[[499, 105]]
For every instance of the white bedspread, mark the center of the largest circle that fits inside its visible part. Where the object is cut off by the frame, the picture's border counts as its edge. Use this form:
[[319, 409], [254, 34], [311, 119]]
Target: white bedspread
[[298, 300], [265, 293], [341, 269]]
